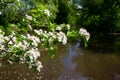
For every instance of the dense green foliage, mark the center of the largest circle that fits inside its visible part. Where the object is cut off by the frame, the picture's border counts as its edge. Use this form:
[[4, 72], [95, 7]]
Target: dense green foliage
[[26, 27], [98, 16], [101, 16], [48, 23]]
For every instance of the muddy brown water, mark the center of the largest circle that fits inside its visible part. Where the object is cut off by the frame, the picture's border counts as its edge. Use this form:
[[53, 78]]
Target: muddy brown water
[[70, 63]]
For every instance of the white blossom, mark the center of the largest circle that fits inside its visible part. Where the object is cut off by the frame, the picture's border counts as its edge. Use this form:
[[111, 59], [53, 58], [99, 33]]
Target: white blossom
[[28, 17], [41, 31], [23, 36], [33, 54], [31, 51], [13, 33], [24, 47], [19, 44], [50, 40], [39, 65], [2, 47], [37, 32], [6, 38], [28, 36], [30, 27], [14, 39], [84, 32], [35, 40], [68, 26], [47, 12], [52, 34], [59, 28], [2, 38], [87, 36], [10, 42], [45, 32], [62, 38], [45, 35], [25, 43]]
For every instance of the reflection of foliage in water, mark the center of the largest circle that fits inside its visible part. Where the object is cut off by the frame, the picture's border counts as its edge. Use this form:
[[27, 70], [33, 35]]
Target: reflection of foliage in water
[[105, 43]]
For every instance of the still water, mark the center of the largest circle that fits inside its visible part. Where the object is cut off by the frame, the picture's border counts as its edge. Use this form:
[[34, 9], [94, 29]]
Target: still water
[[70, 63]]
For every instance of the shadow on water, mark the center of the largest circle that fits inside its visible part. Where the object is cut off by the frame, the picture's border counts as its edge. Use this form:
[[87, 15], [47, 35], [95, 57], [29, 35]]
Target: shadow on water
[[105, 43], [70, 63]]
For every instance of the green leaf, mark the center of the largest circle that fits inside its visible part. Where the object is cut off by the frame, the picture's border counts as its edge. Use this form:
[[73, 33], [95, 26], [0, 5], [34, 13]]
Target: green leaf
[[27, 58], [72, 33], [51, 52]]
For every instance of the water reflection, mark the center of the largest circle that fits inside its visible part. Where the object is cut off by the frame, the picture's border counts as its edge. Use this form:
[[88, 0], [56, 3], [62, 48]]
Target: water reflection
[[72, 51], [105, 43], [70, 63], [99, 66], [68, 72], [67, 60]]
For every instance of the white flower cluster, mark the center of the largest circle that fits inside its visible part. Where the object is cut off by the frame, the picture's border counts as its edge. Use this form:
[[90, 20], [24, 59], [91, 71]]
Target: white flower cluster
[[62, 38], [1, 37], [84, 32], [51, 36], [2, 42], [39, 65], [47, 12], [60, 27], [28, 17], [35, 40], [39, 32], [28, 43], [30, 27], [33, 55]]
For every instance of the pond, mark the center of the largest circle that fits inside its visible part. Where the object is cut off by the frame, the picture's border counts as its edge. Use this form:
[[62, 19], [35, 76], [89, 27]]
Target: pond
[[70, 63]]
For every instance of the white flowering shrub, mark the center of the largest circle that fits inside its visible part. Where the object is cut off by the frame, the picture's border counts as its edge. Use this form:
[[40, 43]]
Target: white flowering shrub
[[63, 27], [85, 36], [47, 12], [28, 17], [83, 32], [49, 39], [22, 37], [22, 49], [52, 36]]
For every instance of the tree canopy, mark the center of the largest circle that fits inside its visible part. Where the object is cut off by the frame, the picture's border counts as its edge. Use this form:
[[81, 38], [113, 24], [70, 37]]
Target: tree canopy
[[101, 16]]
